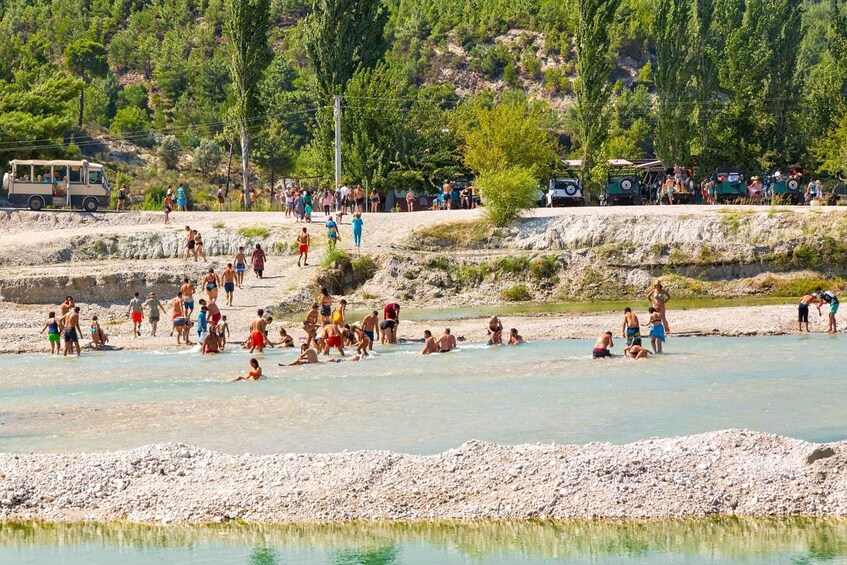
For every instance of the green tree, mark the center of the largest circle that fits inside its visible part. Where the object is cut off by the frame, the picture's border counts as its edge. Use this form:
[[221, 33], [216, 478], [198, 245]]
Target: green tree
[[593, 65], [207, 156], [342, 36], [130, 121], [706, 74], [506, 193], [85, 58], [831, 150], [169, 150], [247, 23], [512, 133], [673, 75], [785, 33]]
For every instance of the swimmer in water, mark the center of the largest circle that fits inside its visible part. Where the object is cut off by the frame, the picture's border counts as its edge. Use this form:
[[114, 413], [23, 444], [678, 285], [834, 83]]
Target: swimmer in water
[[495, 331], [430, 345], [635, 351], [255, 372], [447, 343], [308, 356], [514, 337]]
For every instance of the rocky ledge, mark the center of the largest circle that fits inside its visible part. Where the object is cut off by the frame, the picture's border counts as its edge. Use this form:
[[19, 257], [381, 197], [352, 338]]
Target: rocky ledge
[[732, 472]]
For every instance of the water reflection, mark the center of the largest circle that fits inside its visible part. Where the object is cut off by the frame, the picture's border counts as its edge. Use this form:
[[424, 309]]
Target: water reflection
[[702, 541]]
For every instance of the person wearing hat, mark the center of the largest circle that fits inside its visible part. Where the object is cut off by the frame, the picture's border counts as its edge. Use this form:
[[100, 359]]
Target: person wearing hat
[[152, 303]]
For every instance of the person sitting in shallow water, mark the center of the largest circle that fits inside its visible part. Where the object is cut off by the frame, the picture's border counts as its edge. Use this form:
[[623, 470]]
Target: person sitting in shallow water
[[514, 337], [601, 348], [308, 356], [255, 372], [495, 331], [635, 351]]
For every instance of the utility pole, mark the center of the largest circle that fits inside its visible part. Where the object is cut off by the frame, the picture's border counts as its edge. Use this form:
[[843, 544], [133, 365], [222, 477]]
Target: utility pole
[[337, 112]]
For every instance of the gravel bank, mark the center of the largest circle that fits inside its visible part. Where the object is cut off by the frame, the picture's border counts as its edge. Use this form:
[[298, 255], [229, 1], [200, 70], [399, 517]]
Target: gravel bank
[[731, 472]]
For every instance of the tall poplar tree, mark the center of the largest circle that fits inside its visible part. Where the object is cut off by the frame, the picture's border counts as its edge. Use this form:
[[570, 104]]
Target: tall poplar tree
[[706, 74], [246, 24], [343, 36], [593, 65], [673, 77]]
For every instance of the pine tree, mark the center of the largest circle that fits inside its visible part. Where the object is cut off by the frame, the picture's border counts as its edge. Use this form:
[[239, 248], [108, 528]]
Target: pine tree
[[246, 24]]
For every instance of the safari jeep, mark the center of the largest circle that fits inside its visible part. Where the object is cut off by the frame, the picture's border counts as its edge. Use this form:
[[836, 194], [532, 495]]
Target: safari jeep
[[73, 184], [567, 189], [729, 185], [787, 189], [622, 184]]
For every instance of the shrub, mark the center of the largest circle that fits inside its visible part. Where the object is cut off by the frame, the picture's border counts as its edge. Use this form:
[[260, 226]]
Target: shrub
[[254, 232], [513, 265], [169, 150], [130, 121], [332, 255], [507, 193], [517, 293], [438, 263], [544, 267], [364, 269], [472, 275], [219, 225]]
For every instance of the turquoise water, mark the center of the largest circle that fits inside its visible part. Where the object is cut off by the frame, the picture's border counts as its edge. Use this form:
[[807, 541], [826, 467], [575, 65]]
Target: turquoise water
[[694, 542], [539, 392]]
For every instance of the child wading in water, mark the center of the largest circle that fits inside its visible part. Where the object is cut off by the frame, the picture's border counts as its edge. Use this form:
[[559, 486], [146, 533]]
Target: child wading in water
[[255, 372]]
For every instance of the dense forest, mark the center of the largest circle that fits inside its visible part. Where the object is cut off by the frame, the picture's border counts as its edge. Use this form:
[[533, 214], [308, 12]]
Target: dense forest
[[753, 83]]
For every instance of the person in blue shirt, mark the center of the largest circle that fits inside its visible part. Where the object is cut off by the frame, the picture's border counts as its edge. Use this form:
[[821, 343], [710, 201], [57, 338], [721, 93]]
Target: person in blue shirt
[[357, 229], [202, 323]]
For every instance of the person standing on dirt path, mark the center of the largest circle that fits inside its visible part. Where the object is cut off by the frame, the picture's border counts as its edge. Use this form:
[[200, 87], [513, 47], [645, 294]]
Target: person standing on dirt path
[[72, 331], [357, 229], [189, 242], [167, 205], [121, 198], [303, 241], [181, 199], [135, 311], [240, 266], [221, 199], [198, 247], [153, 304], [211, 282], [332, 236], [228, 280], [187, 290], [258, 258]]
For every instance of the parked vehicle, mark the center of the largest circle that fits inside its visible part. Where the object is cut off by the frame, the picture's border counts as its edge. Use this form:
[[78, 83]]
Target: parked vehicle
[[623, 185], [60, 183], [566, 190], [729, 185], [786, 189]]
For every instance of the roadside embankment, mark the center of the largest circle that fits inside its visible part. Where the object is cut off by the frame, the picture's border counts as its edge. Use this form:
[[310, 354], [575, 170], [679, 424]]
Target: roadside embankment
[[732, 472]]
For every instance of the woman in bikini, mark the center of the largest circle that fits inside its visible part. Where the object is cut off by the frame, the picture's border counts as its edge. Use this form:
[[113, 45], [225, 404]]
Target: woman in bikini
[[325, 302], [659, 297], [375, 201], [198, 247]]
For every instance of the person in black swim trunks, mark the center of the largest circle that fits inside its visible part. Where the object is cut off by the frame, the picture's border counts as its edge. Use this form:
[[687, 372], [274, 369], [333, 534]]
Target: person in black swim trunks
[[803, 310], [72, 331], [601, 348], [325, 302]]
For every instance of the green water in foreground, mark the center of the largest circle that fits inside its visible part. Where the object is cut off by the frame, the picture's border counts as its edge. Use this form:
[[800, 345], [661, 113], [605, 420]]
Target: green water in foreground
[[535, 308], [692, 541]]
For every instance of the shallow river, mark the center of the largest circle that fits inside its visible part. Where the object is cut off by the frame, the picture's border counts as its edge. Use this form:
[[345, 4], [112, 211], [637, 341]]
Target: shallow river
[[540, 392], [690, 542]]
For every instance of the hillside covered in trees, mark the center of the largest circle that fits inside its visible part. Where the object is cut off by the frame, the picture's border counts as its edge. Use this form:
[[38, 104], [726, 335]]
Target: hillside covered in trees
[[755, 83]]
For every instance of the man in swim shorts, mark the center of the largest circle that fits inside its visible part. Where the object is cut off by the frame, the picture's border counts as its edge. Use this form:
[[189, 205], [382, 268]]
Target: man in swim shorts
[[369, 325], [601, 348], [213, 313], [228, 280], [803, 310], [187, 291], [303, 241], [240, 266], [830, 298], [447, 343], [135, 311], [430, 345], [331, 336], [155, 307], [631, 327], [72, 331], [180, 321], [257, 332]]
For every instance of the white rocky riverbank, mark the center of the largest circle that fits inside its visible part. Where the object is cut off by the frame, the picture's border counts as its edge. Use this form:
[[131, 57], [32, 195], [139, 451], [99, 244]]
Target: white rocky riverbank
[[729, 472]]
